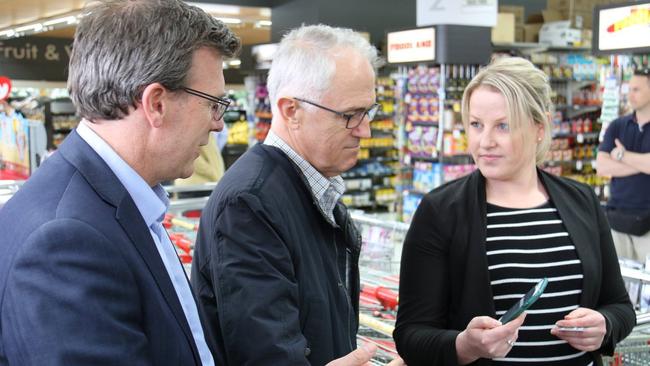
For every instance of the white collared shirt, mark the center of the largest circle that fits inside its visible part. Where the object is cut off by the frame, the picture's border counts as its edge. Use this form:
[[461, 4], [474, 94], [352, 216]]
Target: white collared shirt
[[327, 191]]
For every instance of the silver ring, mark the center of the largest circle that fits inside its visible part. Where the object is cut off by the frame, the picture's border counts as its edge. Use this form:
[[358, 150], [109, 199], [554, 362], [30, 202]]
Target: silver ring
[[510, 342]]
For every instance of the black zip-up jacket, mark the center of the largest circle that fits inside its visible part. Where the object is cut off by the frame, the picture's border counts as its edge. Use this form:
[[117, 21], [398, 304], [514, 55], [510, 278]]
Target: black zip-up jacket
[[444, 280], [270, 270]]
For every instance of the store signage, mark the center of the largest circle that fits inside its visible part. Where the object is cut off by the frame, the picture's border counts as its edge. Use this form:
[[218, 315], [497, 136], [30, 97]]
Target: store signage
[[412, 45], [5, 87], [35, 58], [482, 13], [623, 28]]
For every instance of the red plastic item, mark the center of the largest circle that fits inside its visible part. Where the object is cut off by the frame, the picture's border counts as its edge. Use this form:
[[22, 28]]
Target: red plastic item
[[186, 258], [388, 298], [184, 245], [193, 214]]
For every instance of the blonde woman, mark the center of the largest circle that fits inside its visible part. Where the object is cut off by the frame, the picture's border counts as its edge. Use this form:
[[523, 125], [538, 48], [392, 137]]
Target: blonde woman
[[477, 244]]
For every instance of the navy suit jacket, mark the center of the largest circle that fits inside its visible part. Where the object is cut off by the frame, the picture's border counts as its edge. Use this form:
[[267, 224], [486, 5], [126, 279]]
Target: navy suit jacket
[[81, 281]]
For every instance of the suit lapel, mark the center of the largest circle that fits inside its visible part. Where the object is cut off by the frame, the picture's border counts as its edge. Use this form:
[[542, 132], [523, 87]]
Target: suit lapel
[[129, 218], [106, 184]]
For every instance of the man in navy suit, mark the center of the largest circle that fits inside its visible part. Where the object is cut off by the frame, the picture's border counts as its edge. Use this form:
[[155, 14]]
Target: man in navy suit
[[88, 276]]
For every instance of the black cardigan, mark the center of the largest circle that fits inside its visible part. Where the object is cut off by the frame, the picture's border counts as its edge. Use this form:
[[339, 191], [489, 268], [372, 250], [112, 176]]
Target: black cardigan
[[444, 280]]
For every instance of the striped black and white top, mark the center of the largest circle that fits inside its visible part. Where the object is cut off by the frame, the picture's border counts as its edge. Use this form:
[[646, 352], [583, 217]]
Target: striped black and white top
[[524, 246]]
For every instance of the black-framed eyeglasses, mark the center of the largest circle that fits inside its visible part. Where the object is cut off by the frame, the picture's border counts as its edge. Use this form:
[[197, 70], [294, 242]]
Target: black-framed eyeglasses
[[219, 105], [352, 120]]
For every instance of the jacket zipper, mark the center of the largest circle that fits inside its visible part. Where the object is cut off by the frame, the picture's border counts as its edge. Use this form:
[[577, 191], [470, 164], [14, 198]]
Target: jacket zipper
[[343, 287]]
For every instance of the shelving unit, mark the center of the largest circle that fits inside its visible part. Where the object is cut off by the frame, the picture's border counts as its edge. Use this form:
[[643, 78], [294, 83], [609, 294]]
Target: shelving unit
[[60, 119], [577, 95], [434, 149], [370, 185]]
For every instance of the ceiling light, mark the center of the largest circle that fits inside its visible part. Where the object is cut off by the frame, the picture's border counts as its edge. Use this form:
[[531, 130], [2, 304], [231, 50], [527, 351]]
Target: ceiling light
[[32, 27], [217, 8], [230, 20], [263, 23], [7, 33], [69, 20]]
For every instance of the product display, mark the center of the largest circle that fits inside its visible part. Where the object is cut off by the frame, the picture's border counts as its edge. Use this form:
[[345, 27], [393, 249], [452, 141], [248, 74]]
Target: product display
[[435, 147], [370, 185], [418, 141]]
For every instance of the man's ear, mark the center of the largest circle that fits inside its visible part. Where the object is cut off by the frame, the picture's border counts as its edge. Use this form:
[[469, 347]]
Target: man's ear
[[289, 112], [153, 103]]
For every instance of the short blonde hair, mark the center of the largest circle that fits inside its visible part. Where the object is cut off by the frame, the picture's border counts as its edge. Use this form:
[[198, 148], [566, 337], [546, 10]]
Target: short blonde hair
[[527, 94]]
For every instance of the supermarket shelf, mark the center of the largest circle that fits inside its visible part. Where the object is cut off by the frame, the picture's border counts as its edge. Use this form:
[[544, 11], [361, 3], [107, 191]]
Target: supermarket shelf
[[379, 148], [587, 135], [424, 158], [572, 162], [423, 123], [385, 130], [367, 175], [379, 159], [352, 191], [529, 48], [580, 110]]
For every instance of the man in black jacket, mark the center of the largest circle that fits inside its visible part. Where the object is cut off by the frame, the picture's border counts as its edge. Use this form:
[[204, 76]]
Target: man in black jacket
[[276, 260]]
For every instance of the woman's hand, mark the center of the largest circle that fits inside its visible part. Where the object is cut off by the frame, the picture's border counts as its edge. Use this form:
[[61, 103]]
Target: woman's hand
[[587, 329], [486, 337]]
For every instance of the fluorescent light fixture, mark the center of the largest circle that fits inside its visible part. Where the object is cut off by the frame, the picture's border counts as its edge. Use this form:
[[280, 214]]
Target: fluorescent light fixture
[[230, 20], [69, 20], [263, 23], [235, 62], [32, 27], [7, 33], [217, 8]]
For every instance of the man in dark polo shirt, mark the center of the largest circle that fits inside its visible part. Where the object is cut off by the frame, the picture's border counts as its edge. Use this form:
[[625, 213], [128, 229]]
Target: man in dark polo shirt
[[624, 155]]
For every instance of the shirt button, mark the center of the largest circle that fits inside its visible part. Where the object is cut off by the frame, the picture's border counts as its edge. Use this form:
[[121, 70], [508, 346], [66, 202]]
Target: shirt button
[[307, 352]]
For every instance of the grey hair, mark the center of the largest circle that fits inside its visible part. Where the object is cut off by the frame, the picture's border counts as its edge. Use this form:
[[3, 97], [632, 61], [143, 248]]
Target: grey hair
[[305, 61], [121, 46], [527, 93]]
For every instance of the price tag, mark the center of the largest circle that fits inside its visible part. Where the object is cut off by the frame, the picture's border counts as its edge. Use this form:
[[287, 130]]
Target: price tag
[[580, 138]]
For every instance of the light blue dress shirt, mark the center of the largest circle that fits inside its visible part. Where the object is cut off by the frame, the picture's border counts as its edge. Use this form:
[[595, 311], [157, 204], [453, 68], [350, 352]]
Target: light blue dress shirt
[[152, 202]]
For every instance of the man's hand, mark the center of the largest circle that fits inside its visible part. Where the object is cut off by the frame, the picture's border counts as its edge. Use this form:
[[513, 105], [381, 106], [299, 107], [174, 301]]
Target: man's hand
[[359, 357], [618, 152]]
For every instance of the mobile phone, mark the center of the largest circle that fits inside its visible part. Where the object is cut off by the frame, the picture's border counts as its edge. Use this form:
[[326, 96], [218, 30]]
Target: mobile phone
[[525, 302], [571, 329]]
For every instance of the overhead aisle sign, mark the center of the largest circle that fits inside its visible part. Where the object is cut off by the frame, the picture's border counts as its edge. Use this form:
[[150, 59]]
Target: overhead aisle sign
[[416, 45]]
